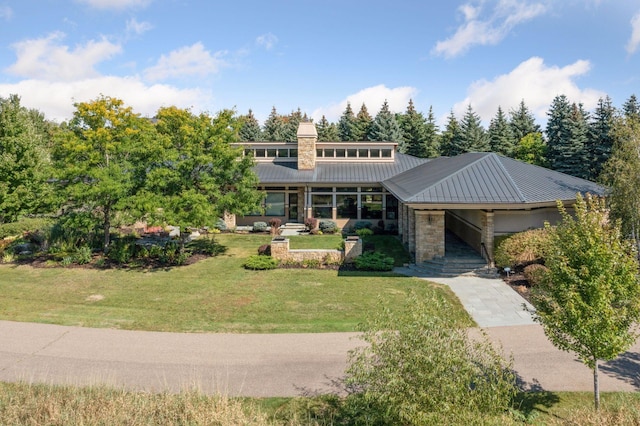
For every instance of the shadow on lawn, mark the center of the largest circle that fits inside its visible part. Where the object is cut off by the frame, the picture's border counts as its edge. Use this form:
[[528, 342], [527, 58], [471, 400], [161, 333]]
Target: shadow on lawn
[[532, 398]]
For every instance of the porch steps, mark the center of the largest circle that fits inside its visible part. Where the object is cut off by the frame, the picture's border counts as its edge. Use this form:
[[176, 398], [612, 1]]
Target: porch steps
[[454, 266]]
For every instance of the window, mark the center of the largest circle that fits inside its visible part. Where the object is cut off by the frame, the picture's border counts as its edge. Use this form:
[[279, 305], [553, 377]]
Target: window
[[375, 153], [339, 189], [293, 153], [386, 153], [274, 204], [347, 206], [328, 152], [260, 153], [371, 206], [318, 152], [363, 153], [271, 152], [340, 153], [283, 153], [392, 207], [352, 153], [322, 206]]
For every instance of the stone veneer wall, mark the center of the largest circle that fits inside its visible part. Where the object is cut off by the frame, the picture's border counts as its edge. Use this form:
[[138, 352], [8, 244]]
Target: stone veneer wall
[[280, 251], [307, 138], [429, 226], [488, 232]]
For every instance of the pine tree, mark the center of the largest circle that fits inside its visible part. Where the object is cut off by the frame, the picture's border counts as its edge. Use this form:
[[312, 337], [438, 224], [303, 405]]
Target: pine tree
[[414, 132], [600, 137], [501, 138], [385, 127], [292, 121], [250, 129], [327, 132], [274, 127], [566, 137], [450, 139], [522, 122], [631, 108], [432, 138], [473, 136], [347, 126], [363, 123]]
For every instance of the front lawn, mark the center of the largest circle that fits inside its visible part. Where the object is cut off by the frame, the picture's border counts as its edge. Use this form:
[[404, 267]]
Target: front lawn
[[213, 295]]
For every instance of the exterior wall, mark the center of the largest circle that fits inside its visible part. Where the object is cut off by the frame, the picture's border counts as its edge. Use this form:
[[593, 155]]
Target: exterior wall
[[411, 231], [280, 250], [429, 234], [488, 234], [511, 221], [466, 224]]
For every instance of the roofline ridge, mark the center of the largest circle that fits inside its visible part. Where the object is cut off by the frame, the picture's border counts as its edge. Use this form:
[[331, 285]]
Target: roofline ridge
[[500, 157]]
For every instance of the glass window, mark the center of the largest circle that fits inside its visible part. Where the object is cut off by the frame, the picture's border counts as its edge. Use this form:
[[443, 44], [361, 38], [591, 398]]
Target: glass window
[[293, 206], [328, 152], [339, 189], [293, 153], [374, 153], [260, 153], [322, 189], [347, 206], [371, 189], [340, 153], [371, 206], [392, 207], [322, 206], [363, 153], [283, 153], [274, 204], [352, 153], [271, 152], [319, 152], [386, 153]]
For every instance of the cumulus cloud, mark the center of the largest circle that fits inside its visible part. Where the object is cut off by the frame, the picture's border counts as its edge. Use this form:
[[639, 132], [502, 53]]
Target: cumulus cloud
[[56, 99], [46, 58], [532, 81], [6, 12], [192, 60], [634, 40], [116, 4], [372, 97], [137, 28], [489, 30], [268, 41]]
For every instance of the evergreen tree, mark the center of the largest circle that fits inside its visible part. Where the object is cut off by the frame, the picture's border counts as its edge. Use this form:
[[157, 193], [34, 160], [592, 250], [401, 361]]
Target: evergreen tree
[[385, 127], [631, 108], [501, 138], [522, 122], [600, 137], [327, 132], [274, 127], [347, 126], [566, 137], [250, 128], [414, 132], [292, 121], [473, 136], [363, 123], [450, 139], [432, 138]]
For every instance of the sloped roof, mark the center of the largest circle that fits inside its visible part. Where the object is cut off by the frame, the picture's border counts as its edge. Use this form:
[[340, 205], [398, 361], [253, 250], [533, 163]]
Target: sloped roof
[[336, 172], [485, 178]]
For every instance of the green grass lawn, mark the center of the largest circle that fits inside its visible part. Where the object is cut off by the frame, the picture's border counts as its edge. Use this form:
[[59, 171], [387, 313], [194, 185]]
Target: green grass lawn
[[213, 295]]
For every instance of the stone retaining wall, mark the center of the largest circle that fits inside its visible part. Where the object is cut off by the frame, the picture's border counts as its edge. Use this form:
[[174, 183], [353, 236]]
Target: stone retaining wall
[[280, 251]]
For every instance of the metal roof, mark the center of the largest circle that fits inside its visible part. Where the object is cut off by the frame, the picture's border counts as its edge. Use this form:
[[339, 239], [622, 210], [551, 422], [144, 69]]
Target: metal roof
[[480, 178], [336, 172]]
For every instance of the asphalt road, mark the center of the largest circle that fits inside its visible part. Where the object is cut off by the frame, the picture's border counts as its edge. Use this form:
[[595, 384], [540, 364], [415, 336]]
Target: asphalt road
[[254, 364]]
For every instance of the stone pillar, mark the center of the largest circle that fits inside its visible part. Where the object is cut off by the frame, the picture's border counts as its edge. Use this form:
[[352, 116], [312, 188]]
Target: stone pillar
[[307, 138], [229, 220], [488, 233], [352, 248], [302, 205], [429, 230], [400, 219], [411, 230], [280, 248]]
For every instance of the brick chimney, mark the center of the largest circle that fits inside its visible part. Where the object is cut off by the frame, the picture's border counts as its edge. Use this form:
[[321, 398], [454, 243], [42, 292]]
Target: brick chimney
[[307, 138]]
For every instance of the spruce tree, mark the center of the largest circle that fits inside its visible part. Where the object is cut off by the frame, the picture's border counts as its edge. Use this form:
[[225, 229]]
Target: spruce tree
[[450, 139], [566, 137], [414, 132], [600, 137], [363, 123], [292, 121], [250, 129], [385, 127], [522, 122], [432, 138], [347, 126], [327, 132], [501, 138], [274, 127], [473, 136], [631, 108]]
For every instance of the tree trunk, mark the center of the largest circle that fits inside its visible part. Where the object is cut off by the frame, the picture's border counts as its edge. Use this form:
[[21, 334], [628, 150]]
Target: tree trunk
[[106, 228], [596, 386]]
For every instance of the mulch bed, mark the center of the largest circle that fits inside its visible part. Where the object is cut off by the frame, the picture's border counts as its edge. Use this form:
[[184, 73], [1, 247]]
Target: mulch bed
[[519, 284]]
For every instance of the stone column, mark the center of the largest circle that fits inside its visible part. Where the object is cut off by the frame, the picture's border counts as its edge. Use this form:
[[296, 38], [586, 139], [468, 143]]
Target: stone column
[[307, 138], [429, 230], [229, 220], [411, 230], [400, 219], [302, 205], [352, 248], [488, 232], [280, 248]]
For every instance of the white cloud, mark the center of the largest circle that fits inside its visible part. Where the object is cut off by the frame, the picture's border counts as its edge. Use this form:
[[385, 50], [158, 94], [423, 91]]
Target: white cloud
[[533, 82], [477, 31], [47, 59], [186, 61], [373, 98], [56, 99], [634, 41], [116, 4], [135, 27], [6, 12], [268, 41]]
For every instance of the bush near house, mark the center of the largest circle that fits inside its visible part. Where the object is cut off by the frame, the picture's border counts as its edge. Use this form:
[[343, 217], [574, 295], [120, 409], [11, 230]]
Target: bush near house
[[260, 262], [522, 249], [328, 227], [374, 261], [260, 226], [535, 273]]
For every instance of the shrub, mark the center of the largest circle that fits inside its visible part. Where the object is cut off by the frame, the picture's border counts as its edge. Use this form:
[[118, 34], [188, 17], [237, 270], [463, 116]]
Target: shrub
[[374, 261], [328, 226], [275, 225], [264, 250], [311, 223], [220, 225], [391, 228], [260, 263], [523, 248], [364, 232], [311, 263], [24, 225], [535, 273], [122, 250], [260, 226], [83, 255], [362, 225]]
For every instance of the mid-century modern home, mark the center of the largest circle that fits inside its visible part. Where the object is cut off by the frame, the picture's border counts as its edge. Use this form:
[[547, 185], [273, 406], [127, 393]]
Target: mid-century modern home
[[477, 196]]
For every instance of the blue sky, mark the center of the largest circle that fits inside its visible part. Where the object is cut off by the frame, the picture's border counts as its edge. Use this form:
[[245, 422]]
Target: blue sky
[[317, 55]]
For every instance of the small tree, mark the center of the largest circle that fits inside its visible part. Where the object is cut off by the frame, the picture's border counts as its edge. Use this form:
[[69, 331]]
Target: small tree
[[589, 300]]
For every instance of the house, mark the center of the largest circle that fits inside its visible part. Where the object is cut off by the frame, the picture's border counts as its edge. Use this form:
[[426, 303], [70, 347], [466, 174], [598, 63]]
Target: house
[[477, 196]]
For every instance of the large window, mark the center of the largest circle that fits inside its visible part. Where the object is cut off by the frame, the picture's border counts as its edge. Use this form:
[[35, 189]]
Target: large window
[[322, 206], [392, 207], [347, 206], [274, 204], [371, 206]]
